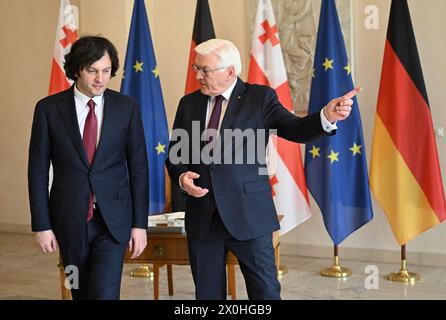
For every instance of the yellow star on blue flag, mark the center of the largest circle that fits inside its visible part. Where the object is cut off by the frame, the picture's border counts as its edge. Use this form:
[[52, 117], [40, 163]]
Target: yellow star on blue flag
[[156, 72], [160, 148], [328, 64], [348, 69], [138, 66], [355, 149], [315, 152], [333, 156]]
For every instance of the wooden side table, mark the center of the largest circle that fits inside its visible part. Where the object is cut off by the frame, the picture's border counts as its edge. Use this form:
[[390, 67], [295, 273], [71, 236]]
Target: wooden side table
[[169, 249]]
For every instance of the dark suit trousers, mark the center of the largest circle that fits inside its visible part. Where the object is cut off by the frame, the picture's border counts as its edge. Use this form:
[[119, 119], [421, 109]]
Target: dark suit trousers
[[99, 261], [255, 256]]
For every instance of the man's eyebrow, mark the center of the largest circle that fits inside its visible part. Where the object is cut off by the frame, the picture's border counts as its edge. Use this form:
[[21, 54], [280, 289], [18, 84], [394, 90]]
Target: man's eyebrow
[[93, 68]]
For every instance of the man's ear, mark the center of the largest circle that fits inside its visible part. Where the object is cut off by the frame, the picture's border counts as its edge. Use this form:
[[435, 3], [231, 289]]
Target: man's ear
[[231, 72], [78, 73]]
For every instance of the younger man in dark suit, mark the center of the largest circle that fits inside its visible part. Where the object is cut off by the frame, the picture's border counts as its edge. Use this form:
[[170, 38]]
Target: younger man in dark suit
[[98, 204]]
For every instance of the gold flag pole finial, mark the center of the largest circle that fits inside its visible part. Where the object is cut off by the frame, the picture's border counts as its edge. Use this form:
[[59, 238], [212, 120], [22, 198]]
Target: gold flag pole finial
[[335, 270], [404, 275]]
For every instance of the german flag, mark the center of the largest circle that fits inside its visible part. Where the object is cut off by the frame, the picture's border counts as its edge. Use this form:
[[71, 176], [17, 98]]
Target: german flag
[[203, 31], [405, 173]]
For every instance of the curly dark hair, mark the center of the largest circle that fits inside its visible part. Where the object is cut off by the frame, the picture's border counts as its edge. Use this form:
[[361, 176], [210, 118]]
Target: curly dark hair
[[86, 51]]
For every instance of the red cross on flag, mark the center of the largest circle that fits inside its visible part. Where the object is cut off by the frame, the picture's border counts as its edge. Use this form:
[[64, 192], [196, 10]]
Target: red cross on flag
[[287, 175], [66, 34]]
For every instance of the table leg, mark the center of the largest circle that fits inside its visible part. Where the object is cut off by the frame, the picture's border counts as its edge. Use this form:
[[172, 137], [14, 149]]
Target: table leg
[[231, 281], [169, 279], [156, 281], [65, 293]]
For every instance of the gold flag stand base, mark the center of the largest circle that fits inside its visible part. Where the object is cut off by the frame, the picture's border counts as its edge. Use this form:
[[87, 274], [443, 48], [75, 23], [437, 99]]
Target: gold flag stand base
[[143, 271], [282, 271], [403, 275], [335, 270]]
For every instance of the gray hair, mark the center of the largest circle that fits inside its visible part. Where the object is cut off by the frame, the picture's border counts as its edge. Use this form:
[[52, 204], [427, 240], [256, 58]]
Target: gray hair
[[226, 51]]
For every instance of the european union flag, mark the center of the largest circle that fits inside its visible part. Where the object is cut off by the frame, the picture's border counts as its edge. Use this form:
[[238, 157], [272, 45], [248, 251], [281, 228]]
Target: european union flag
[[142, 83], [335, 166]]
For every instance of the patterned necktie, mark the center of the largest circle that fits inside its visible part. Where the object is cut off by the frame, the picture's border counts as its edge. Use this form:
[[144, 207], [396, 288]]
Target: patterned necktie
[[90, 139], [214, 120]]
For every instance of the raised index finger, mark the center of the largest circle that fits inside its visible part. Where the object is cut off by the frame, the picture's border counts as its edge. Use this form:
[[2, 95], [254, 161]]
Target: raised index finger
[[352, 93]]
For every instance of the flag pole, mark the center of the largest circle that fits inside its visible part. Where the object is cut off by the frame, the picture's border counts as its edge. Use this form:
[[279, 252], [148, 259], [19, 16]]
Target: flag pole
[[335, 270], [281, 270], [404, 275]]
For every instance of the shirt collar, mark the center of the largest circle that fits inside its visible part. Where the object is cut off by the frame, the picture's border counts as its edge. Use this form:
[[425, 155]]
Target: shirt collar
[[227, 93], [84, 98]]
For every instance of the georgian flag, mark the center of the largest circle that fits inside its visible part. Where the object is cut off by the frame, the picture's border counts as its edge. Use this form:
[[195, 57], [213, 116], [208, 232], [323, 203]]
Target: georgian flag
[[66, 34], [285, 167]]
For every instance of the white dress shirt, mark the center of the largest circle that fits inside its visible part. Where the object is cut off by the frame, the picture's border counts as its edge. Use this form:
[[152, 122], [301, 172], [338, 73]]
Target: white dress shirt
[[224, 105], [82, 109]]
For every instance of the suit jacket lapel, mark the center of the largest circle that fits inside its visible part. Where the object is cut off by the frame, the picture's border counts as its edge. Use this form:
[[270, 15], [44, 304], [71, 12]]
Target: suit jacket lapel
[[234, 106], [107, 119], [232, 111], [200, 115], [67, 111], [201, 110]]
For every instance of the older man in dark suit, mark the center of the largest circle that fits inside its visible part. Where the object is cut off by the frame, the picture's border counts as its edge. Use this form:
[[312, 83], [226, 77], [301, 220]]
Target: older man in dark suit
[[229, 205]]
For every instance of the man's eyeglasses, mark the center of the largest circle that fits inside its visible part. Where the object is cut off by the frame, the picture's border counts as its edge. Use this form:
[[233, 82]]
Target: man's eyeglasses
[[204, 72]]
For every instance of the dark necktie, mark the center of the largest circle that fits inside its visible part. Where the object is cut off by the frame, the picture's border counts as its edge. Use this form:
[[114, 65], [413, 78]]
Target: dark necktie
[[214, 120], [89, 139]]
